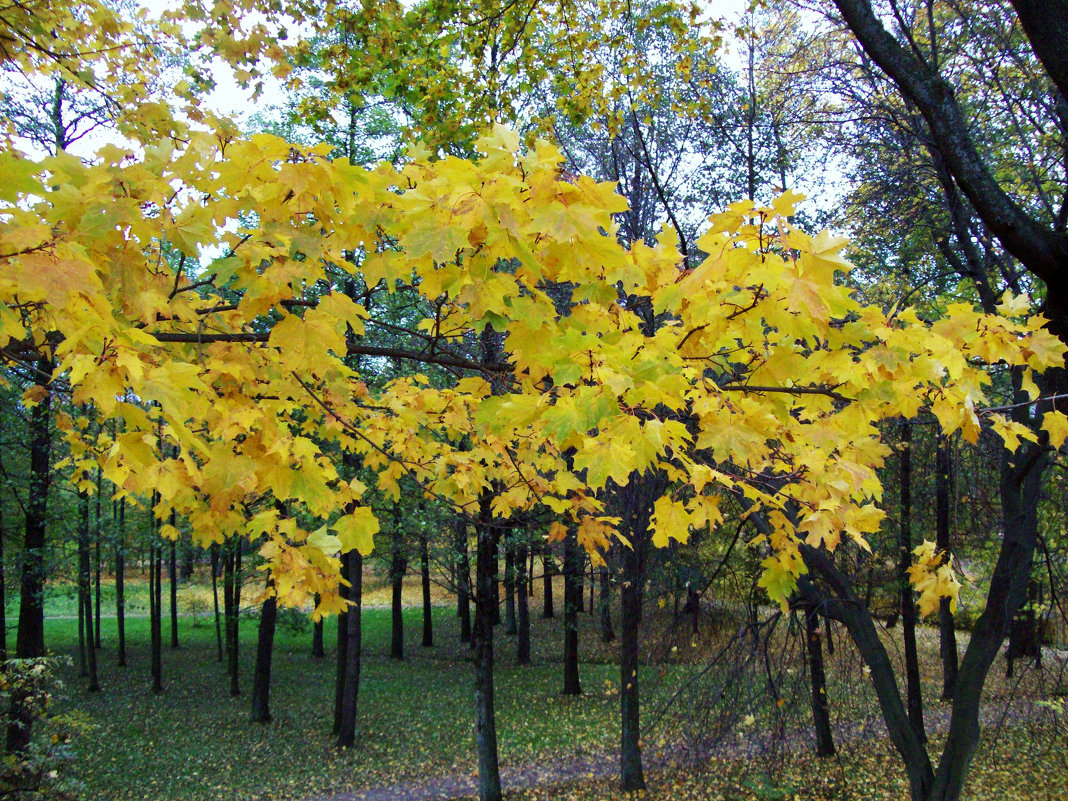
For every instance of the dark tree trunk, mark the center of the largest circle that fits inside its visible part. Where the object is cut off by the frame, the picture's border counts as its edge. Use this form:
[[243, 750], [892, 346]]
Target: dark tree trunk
[[592, 577], [261, 677], [572, 605], [215, 598], [1023, 632], [29, 641], [83, 663], [342, 656], [350, 689], [424, 571], [231, 609], [317, 650], [172, 569], [947, 645], [509, 589], [821, 715], [547, 582], [155, 624], [463, 581], [398, 567], [84, 590], [530, 573], [496, 582], [489, 778], [608, 634], [120, 581], [908, 605], [522, 606], [96, 548], [631, 775]]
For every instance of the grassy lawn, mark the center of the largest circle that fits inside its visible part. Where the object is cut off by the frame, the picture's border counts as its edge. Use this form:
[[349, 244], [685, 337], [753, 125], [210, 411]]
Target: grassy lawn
[[416, 717]]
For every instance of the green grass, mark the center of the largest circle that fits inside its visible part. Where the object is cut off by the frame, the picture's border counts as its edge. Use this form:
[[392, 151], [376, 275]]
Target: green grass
[[416, 717]]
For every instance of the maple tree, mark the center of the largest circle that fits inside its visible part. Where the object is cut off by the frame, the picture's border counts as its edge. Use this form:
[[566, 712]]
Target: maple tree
[[196, 287]]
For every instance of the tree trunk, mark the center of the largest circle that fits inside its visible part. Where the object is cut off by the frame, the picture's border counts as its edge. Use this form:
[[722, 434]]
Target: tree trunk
[[155, 573], [231, 607], [1023, 632], [29, 641], [342, 657], [547, 582], [908, 605], [172, 569], [84, 590], [522, 606], [350, 689], [215, 598], [424, 570], [572, 605], [261, 677], [947, 645], [509, 589], [97, 566], [398, 567], [821, 717], [489, 778], [83, 663], [317, 650], [496, 581], [120, 580], [631, 775]]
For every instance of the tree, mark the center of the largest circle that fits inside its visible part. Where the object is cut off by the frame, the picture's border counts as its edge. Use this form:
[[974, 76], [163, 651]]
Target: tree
[[247, 357]]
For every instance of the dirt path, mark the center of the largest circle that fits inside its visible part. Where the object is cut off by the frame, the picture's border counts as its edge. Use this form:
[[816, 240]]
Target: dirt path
[[682, 755]]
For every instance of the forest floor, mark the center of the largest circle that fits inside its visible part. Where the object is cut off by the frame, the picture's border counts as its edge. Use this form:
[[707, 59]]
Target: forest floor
[[714, 726]]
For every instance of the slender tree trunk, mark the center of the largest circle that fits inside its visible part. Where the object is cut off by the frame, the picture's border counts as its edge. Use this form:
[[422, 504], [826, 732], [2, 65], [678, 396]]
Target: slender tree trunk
[[261, 677], [522, 606], [607, 632], [632, 777], [231, 605], [463, 581], [155, 575], [572, 605], [96, 538], [509, 589], [85, 640], [215, 598], [496, 582], [353, 652], [591, 577], [83, 664], [235, 643], [29, 641], [172, 568], [120, 580], [947, 645], [547, 582], [821, 716], [908, 605], [342, 648], [317, 650], [398, 568], [489, 778], [424, 570]]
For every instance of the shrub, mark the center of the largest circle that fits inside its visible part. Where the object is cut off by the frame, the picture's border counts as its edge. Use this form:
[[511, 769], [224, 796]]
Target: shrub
[[39, 766]]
